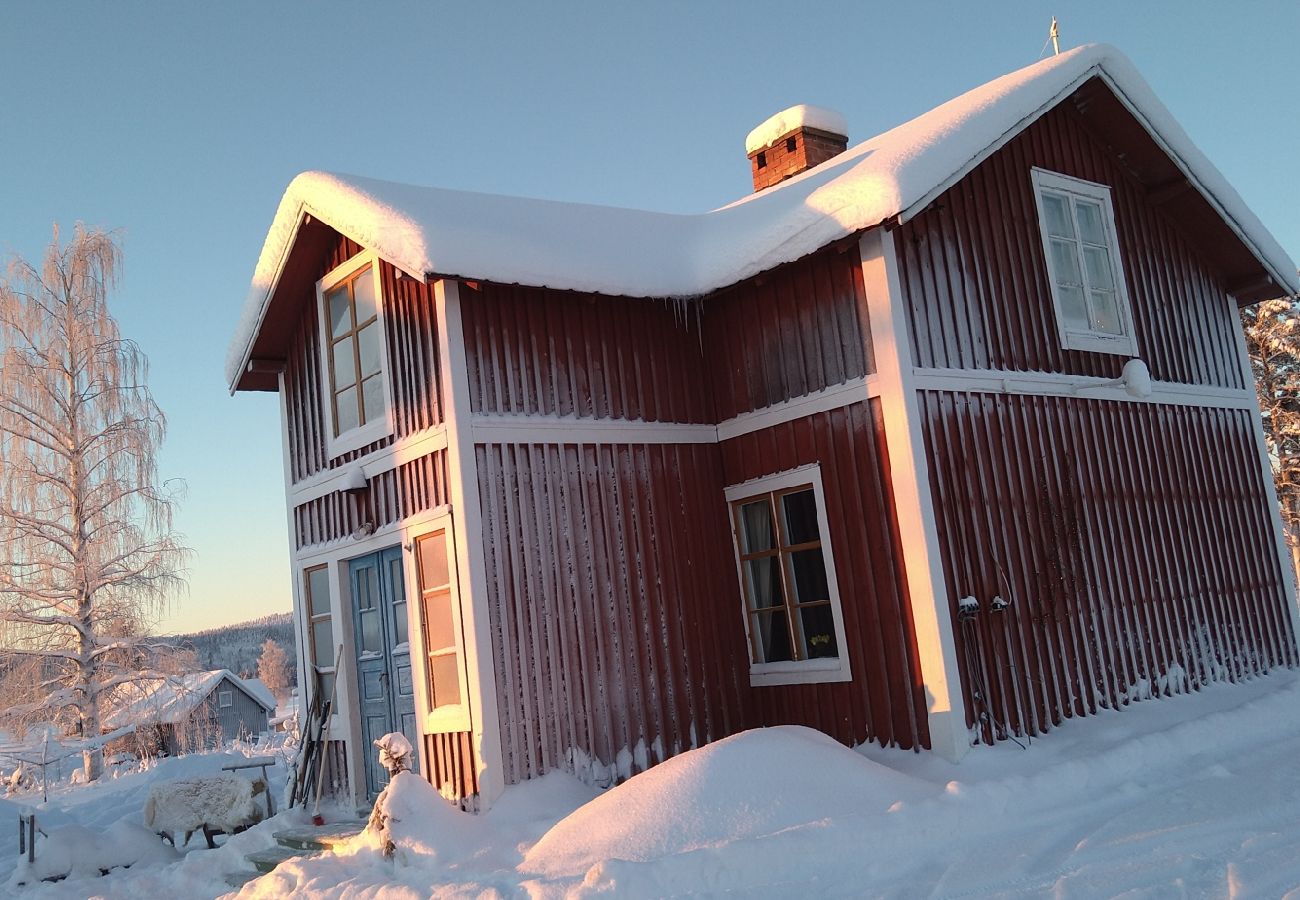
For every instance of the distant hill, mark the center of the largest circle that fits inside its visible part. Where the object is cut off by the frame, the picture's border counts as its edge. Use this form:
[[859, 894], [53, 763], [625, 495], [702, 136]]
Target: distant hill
[[237, 647]]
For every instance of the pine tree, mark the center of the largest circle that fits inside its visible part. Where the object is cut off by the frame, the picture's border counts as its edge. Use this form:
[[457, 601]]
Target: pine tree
[[1273, 343], [88, 557], [273, 669]]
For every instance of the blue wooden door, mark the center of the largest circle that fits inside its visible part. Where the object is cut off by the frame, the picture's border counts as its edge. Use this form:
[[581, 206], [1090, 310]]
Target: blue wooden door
[[383, 654]]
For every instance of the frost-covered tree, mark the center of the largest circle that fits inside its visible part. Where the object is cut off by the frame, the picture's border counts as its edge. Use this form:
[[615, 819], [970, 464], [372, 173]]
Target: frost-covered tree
[[1273, 342], [273, 669], [88, 558]]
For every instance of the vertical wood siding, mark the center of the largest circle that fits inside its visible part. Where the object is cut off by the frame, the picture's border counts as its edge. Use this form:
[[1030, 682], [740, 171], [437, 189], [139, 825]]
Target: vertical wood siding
[[408, 489], [974, 278], [790, 332], [617, 635], [1133, 541], [412, 368], [885, 701], [450, 764], [536, 352]]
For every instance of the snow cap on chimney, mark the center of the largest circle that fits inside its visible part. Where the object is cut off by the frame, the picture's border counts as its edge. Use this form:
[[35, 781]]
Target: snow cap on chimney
[[793, 141]]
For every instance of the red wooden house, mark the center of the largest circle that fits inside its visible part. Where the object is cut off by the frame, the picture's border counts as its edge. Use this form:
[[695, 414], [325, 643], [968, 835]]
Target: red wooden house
[[944, 438]]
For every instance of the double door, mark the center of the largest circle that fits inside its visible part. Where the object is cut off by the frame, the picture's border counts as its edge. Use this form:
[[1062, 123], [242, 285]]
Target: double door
[[383, 653]]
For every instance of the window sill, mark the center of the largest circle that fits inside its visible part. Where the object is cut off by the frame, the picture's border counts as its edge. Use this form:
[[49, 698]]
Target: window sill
[[359, 437], [446, 719], [810, 671], [1121, 345]]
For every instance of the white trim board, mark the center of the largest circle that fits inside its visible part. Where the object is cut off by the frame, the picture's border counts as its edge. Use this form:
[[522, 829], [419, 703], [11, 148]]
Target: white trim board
[[534, 429], [914, 507], [408, 449], [855, 390], [1057, 384]]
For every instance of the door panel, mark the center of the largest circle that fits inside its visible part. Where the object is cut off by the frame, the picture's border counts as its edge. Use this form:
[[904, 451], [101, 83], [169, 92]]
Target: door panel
[[383, 657]]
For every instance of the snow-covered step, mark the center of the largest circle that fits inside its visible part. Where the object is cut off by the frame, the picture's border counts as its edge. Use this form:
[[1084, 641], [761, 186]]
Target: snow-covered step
[[326, 837], [266, 860], [238, 879]]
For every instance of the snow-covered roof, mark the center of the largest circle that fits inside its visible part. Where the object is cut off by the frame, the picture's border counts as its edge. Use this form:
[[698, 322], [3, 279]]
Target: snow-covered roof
[[168, 700], [257, 687], [787, 120], [569, 246]]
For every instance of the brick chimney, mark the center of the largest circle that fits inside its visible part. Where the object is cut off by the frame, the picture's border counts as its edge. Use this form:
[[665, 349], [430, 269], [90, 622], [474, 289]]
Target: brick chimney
[[793, 141]]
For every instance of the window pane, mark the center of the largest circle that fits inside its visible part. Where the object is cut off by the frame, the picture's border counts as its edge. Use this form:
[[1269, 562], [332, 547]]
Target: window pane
[[322, 644], [772, 634], [800, 517], [363, 289], [369, 344], [370, 641], [340, 318], [1105, 314], [764, 582], [809, 571], [347, 406], [1090, 227], [1097, 261], [398, 584], [345, 367], [431, 556], [326, 680], [366, 591], [444, 672], [756, 527], [1065, 262], [372, 394], [402, 630], [318, 591], [439, 630], [1073, 309], [819, 631], [1056, 210]]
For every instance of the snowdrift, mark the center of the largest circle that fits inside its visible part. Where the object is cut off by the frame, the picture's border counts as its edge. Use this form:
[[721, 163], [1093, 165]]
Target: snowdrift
[[751, 784]]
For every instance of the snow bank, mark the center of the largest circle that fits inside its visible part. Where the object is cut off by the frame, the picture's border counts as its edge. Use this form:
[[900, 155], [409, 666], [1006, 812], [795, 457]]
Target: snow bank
[[751, 784], [74, 851], [646, 254], [787, 120]]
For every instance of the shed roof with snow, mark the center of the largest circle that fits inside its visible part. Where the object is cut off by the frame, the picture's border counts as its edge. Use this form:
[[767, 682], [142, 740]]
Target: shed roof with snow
[[428, 231], [169, 701]]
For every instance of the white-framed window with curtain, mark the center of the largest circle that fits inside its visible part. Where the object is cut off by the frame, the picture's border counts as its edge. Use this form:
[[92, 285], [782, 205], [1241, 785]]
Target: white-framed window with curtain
[[792, 614], [1085, 272]]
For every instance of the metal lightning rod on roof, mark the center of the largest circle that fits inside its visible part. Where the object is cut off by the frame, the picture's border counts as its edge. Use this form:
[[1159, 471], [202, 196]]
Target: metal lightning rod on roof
[[1054, 34]]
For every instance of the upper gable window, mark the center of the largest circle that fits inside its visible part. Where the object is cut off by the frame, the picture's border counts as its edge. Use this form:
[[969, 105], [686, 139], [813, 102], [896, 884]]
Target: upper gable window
[[353, 359], [1086, 274]]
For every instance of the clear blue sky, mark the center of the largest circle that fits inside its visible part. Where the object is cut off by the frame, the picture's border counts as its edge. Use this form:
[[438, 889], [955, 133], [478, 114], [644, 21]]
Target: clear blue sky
[[181, 124]]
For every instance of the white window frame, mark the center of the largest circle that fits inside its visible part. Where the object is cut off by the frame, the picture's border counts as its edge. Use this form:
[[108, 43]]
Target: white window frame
[[360, 436], [225, 699], [1125, 343], [806, 671], [452, 717]]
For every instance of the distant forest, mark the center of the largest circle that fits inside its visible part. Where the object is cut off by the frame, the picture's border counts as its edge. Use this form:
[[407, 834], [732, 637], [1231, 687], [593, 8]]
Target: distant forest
[[237, 647]]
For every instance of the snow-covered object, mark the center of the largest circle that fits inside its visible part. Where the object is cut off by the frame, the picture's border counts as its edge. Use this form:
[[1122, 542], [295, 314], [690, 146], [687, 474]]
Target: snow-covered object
[[413, 824], [751, 784], [395, 752], [787, 120], [223, 802], [166, 700], [428, 231], [74, 851]]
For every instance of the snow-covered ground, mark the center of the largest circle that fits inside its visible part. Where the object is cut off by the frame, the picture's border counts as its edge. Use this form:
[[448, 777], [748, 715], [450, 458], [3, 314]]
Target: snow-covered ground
[[1195, 796]]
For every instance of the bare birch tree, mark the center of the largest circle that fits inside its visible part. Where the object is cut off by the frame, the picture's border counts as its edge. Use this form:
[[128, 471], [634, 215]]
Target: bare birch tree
[[88, 558], [1273, 343]]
